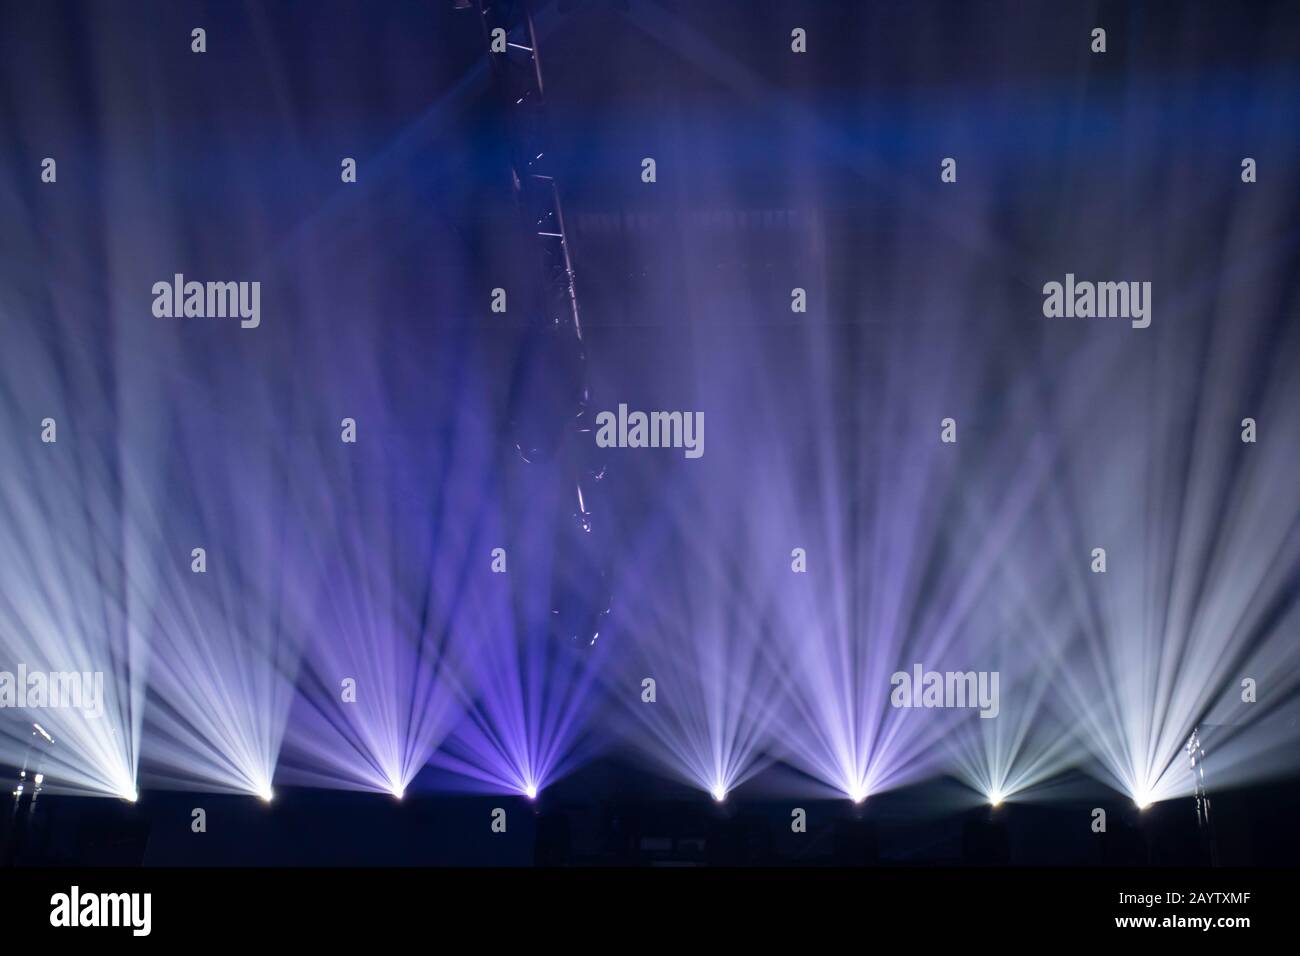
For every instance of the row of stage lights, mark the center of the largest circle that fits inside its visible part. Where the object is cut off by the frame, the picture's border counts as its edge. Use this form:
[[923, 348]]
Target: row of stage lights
[[719, 791], [995, 798]]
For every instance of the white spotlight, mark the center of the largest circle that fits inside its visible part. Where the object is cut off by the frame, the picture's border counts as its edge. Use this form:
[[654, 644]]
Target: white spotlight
[[395, 786], [858, 794], [130, 796], [719, 792], [267, 795], [1142, 799], [996, 798], [530, 791]]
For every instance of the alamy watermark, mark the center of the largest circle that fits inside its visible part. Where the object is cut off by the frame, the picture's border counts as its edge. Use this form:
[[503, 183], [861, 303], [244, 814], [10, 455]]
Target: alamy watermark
[[58, 690], [922, 688], [1102, 300], [133, 911], [211, 300], [651, 430]]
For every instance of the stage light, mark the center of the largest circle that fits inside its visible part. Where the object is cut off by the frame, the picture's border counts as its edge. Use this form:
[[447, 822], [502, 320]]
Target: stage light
[[726, 691], [526, 706], [40, 779], [266, 795], [1142, 799], [858, 794], [130, 796], [394, 785], [408, 658], [996, 798]]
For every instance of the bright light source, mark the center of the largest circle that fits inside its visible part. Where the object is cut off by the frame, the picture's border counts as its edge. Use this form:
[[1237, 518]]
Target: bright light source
[[719, 792], [267, 795], [396, 787], [858, 794], [40, 779], [996, 798], [130, 796], [530, 791], [1142, 800]]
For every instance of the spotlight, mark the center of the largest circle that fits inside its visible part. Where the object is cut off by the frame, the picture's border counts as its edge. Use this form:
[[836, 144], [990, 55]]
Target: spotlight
[[40, 779], [130, 796], [530, 791], [719, 792], [395, 786], [267, 795], [1142, 799], [996, 798], [858, 794]]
